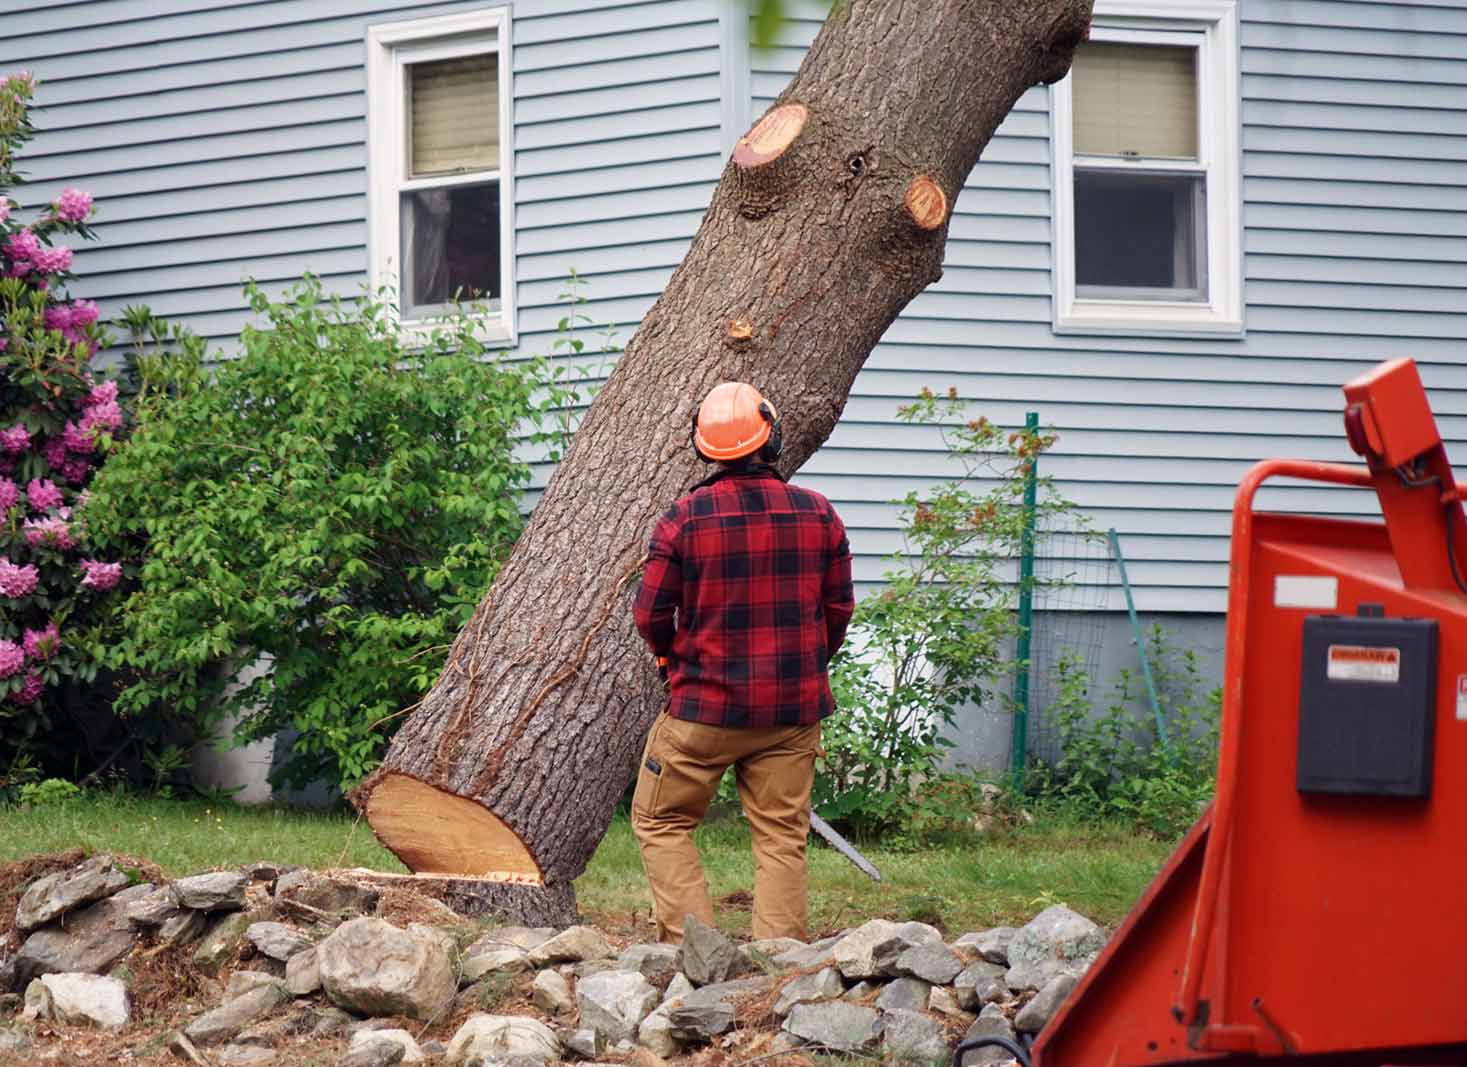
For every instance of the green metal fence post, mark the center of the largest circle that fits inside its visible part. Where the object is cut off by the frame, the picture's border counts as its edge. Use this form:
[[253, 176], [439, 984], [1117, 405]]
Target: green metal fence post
[[1019, 757], [1140, 639]]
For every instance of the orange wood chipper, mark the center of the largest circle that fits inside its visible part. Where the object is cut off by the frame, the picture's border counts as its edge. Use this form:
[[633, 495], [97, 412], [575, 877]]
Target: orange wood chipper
[[1317, 912]]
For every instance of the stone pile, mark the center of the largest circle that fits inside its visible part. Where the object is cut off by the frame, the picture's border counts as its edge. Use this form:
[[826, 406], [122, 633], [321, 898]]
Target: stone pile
[[297, 955]]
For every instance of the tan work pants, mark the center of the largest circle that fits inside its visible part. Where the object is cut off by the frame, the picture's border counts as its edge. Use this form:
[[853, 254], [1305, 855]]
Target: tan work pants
[[681, 767]]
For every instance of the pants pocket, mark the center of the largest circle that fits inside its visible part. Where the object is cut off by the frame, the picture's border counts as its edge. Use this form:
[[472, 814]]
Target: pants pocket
[[650, 773]]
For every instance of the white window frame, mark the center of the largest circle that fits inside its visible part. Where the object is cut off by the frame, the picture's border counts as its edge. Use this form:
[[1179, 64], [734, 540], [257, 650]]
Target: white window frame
[[390, 48], [1212, 26]]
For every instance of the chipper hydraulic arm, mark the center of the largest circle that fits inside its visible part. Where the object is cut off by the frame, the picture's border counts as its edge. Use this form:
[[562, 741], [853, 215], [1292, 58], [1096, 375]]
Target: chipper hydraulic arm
[[1317, 911]]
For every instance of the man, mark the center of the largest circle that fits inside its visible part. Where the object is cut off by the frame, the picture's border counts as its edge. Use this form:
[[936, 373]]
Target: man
[[745, 597]]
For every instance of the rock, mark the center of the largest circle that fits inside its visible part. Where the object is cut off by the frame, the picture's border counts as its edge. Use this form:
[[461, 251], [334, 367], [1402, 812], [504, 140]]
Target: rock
[[1034, 1015], [992, 945], [707, 1012], [835, 1025], [586, 968], [242, 982], [980, 983], [871, 950], [1053, 942], [37, 1002], [570, 945], [943, 1001], [862, 990], [585, 1043], [330, 1021], [911, 1037], [215, 891], [651, 961], [9, 1003], [303, 973], [707, 956], [434, 1048], [182, 927], [495, 1038], [761, 954], [56, 894], [7, 976], [552, 993], [904, 994], [407, 1045], [89, 942], [314, 898], [234, 1015], [276, 940], [185, 1050], [678, 987], [615, 1003], [154, 909], [220, 942], [818, 954], [371, 967], [991, 1023], [824, 984], [264, 871], [245, 1056], [13, 1040], [655, 1034], [488, 955], [932, 962], [372, 1054]]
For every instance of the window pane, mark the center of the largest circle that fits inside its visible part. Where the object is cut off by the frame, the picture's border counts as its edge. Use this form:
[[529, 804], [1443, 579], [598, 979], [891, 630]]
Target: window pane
[[450, 246], [1140, 231], [453, 106], [1135, 100]]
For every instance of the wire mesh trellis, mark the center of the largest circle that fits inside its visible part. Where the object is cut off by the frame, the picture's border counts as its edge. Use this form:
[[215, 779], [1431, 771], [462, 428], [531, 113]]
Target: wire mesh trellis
[[1074, 577]]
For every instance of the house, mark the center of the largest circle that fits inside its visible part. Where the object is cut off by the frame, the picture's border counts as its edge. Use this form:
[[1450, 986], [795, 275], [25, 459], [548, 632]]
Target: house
[[1176, 256]]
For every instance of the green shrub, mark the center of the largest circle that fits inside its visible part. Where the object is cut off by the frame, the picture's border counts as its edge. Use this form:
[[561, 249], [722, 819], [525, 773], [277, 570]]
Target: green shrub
[[1114, 763], [937, 636], [49, 791], [328, 505]]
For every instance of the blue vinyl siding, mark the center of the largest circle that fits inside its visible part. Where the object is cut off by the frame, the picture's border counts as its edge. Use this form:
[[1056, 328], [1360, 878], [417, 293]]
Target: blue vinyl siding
[[226, 139]]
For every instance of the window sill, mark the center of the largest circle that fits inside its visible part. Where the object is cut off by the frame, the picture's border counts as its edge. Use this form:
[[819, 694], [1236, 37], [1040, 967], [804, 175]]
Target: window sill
[[493, 331], [1147, 319]]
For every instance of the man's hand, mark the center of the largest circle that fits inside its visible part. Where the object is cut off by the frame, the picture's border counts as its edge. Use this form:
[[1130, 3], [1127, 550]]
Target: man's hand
[[662, 668]]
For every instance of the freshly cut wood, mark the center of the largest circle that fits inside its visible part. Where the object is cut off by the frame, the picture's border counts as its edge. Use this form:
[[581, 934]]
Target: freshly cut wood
[[926, 203], [472, 897], [806, 254], [770, 136]]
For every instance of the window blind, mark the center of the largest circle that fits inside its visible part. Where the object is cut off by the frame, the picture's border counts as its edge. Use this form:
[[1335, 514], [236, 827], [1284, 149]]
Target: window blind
[[453, 106], [1135, 99]]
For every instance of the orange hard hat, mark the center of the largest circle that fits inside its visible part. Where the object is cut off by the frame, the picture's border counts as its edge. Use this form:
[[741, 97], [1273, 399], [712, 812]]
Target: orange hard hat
[[734, 421]]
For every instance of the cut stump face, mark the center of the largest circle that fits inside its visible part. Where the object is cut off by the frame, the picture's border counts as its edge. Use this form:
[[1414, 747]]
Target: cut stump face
[[435, 832], [770, 136]]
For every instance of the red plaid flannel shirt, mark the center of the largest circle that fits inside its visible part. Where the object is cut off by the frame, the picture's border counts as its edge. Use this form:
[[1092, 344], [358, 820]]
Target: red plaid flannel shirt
[[747, 592]]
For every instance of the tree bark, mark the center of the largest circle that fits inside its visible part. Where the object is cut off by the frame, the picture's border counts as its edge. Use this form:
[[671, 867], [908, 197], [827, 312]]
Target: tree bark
[[830, 216]]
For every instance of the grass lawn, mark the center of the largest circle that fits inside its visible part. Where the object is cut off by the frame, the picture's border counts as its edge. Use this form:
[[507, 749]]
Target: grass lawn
[[971, 884]]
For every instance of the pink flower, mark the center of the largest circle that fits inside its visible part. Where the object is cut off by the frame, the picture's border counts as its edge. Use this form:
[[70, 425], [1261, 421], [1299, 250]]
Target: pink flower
[[23, 245], [22, 79], [12, 658], [15, 439], [106, 393], [52, 260], [30, 691], [55, 452], [53, 533], [78, 439], [100, 575], [72, 205], [75, 469], [4, 343], [43, 494], [4, 208], [42, 644], [58, 317], [17, 581], [84, 313], [108, 416], [9, 494]]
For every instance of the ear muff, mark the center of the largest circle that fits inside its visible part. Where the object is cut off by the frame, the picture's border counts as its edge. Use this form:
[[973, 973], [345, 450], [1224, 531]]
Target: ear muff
[[770, 450]]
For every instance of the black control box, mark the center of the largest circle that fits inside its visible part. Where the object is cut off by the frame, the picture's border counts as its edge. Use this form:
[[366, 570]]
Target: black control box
[[1367, 705]]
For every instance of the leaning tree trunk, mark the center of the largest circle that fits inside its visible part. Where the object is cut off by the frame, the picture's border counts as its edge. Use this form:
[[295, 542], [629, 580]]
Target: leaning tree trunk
[[831, 215]]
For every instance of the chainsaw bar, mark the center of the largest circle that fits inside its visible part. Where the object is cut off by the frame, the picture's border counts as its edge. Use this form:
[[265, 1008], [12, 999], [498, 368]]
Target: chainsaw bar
[[844, 847]]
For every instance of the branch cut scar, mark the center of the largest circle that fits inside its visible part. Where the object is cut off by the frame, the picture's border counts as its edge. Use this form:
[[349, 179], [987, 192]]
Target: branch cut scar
[[770, 136], [926, 203]]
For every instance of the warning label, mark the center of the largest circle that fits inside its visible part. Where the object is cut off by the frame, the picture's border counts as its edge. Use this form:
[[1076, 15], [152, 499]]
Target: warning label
[[1363, 663]]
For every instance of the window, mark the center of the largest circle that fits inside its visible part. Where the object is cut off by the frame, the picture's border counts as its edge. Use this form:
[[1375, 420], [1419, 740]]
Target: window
[[1147, 196], [440, 226]]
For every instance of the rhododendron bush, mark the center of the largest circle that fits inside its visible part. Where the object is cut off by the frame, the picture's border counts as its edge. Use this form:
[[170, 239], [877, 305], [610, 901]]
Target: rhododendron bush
[[57, 423]]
